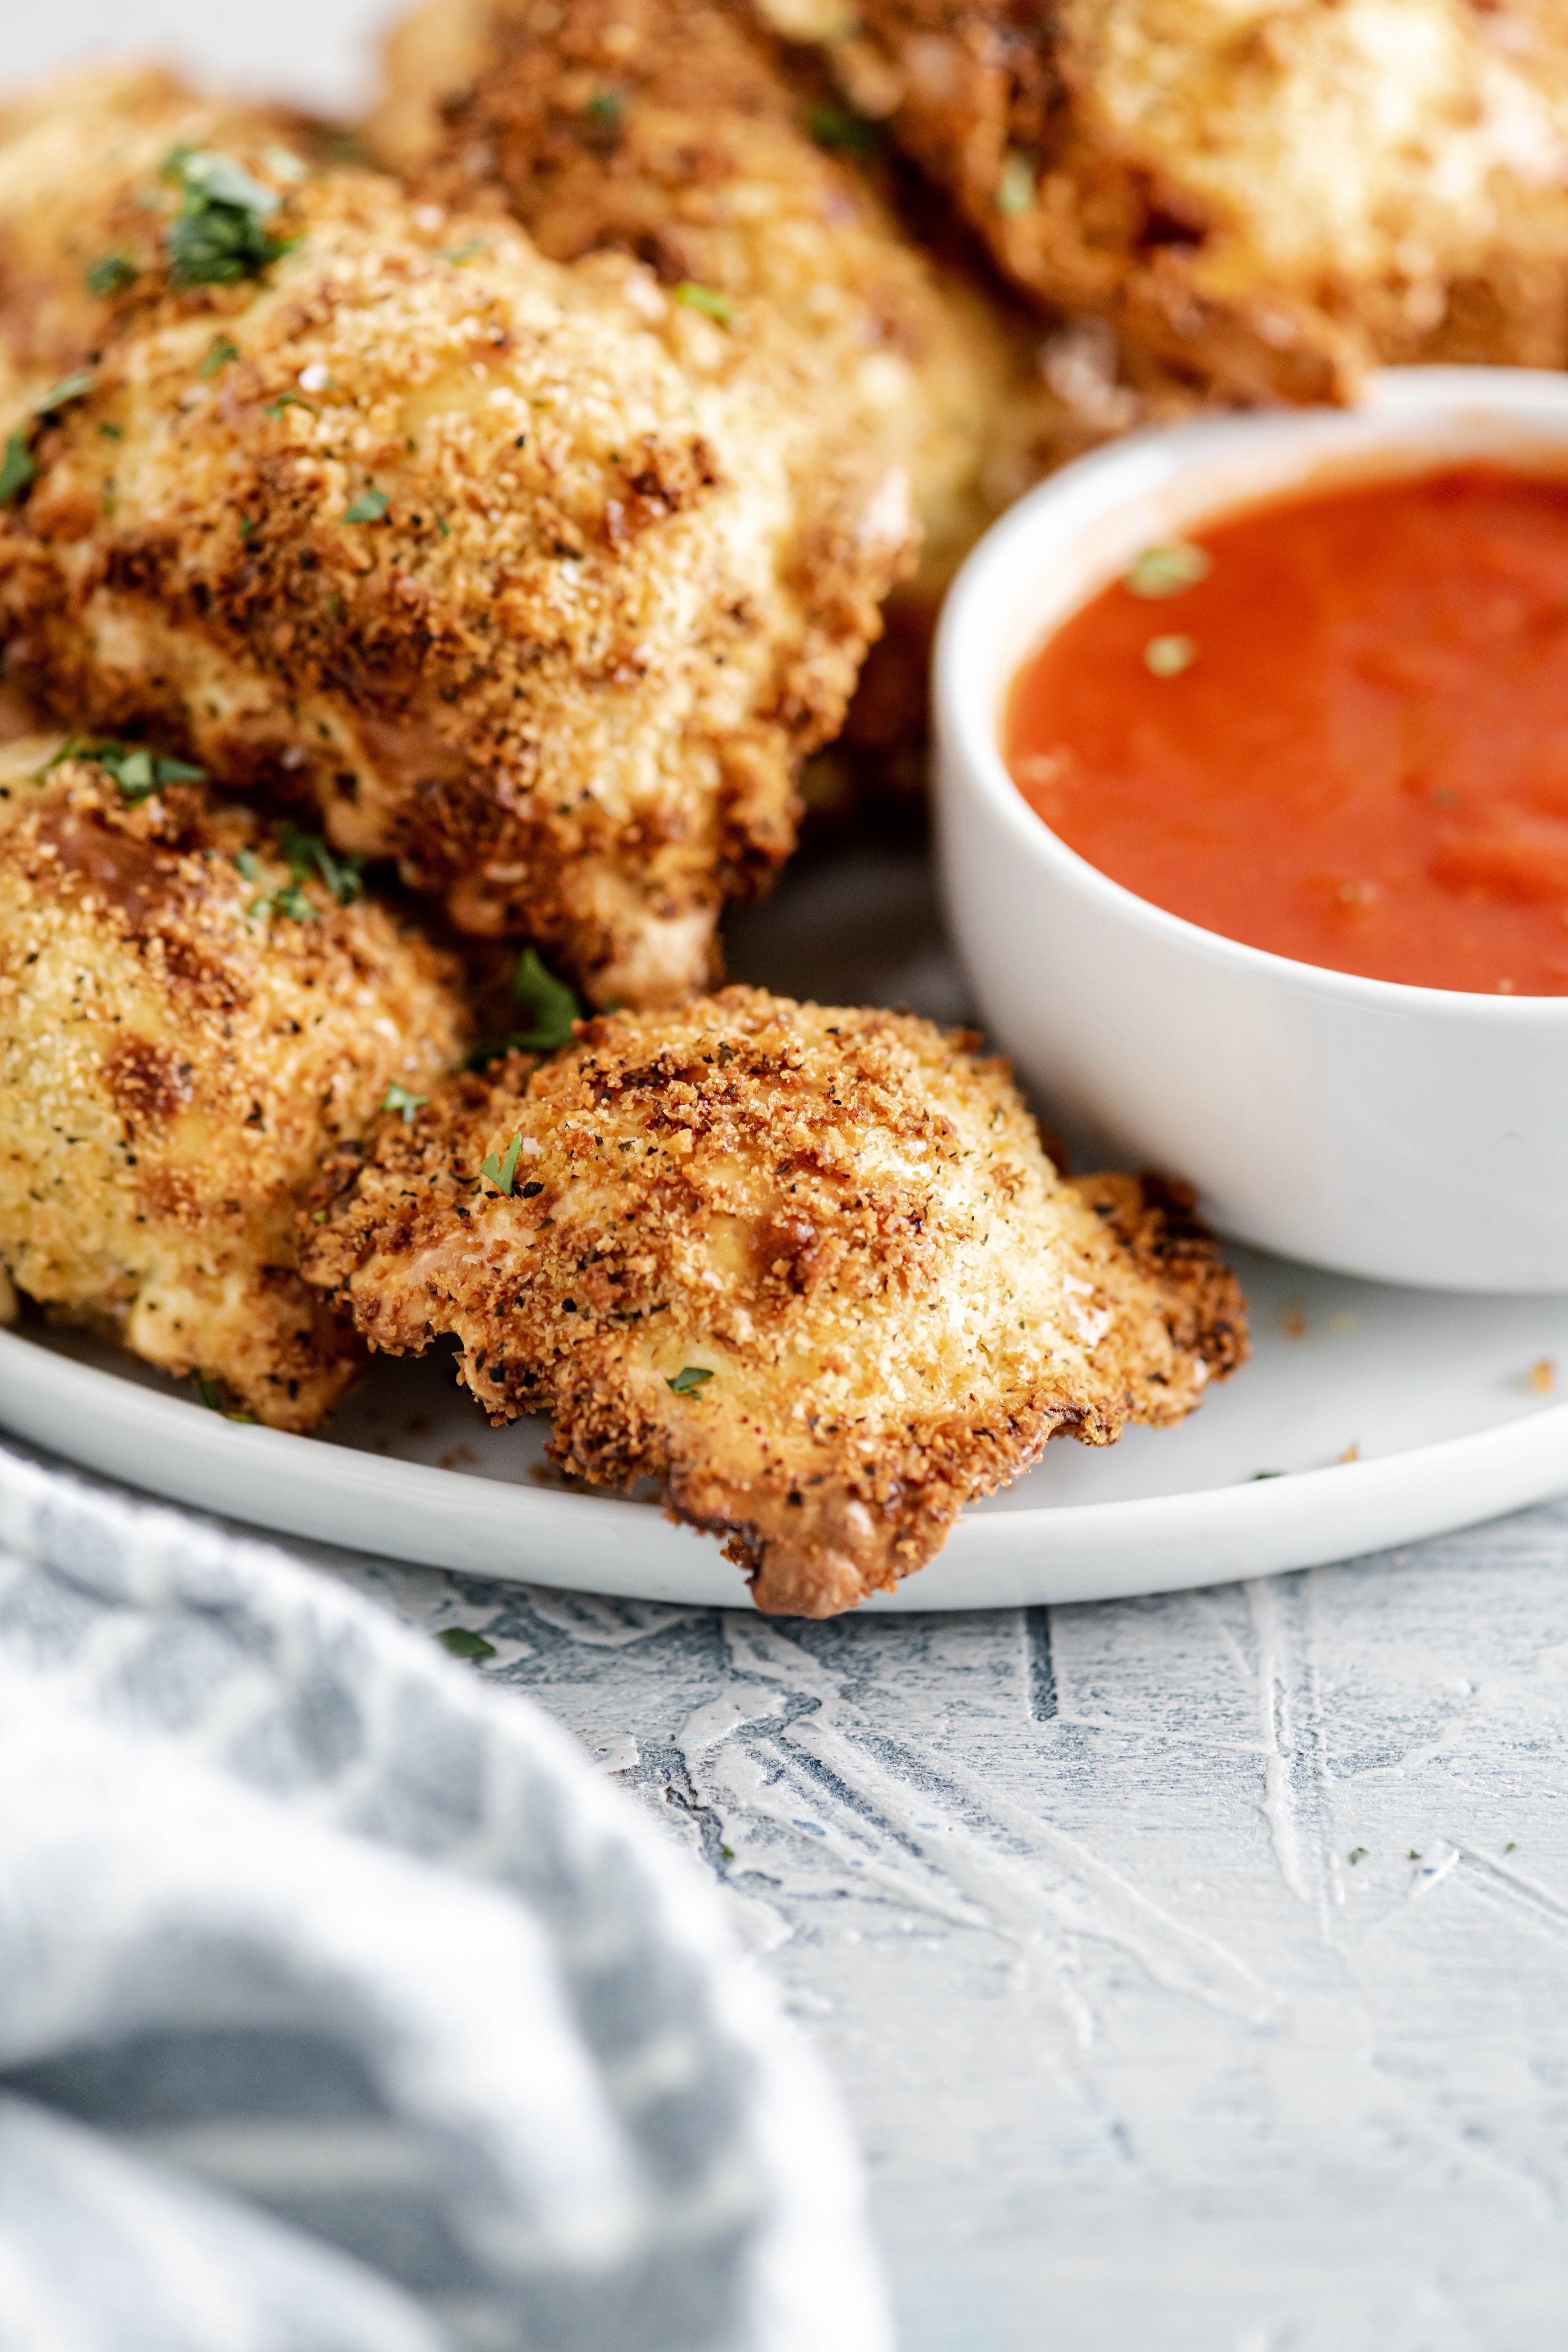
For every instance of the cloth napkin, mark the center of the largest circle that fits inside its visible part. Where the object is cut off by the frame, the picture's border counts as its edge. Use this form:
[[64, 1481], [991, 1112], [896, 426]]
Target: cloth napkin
[[344, 2008]]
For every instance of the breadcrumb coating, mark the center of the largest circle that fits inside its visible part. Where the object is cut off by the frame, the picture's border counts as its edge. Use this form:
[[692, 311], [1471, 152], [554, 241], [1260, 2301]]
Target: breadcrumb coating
[[79, 157], [681, 132], [1270, 198], [809, 1268], [187, 1028], [524, 575]]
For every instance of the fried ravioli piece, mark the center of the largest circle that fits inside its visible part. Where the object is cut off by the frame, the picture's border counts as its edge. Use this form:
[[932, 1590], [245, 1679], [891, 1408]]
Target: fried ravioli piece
[[807, 1267], [79, 159], [524, 575], [192, 1017], [676, 132], [1271, 198], [684, 135]]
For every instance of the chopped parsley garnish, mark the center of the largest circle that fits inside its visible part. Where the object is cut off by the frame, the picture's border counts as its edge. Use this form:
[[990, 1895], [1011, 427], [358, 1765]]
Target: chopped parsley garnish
[[552, 1002], [290, 400], [501, 1171], [369, 507], [399, 1098], [111, 432], [220, 233], [707, 300], [606, 108], [464, 1644], [137, 772], [309, 858], [16, 467], [1357, 1854], [1169, 657], [843, 132], [469, 252], [689, 1379], [70, 387], [1166, 570], [221, 353], [211, 1396], [289, 900], [114, 273], [1015, 187]]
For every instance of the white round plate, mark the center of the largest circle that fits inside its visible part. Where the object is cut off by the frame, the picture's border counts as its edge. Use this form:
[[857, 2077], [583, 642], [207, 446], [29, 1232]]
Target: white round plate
[[1393, 1413]]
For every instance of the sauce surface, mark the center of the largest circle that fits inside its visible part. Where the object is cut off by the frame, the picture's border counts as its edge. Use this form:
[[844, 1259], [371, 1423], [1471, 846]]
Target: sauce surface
[[1335, 728]]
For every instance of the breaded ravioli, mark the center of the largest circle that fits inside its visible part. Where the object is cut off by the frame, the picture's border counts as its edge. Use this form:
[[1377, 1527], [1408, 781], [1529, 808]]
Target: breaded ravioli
[[808, 1268], [524, 575], [679, 131], [81, 246], [1272, 198], [195, 1010]]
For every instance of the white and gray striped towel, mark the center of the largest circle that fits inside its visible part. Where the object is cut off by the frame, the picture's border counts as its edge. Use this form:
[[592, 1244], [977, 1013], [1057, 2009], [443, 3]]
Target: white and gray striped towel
[[344, 2009]]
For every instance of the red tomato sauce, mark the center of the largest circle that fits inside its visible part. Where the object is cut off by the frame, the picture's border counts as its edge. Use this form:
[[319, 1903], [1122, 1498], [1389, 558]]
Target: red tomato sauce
[[1346, 741]]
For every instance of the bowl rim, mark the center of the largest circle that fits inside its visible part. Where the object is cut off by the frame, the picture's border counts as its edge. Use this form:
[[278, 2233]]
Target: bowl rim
[[963, 682]]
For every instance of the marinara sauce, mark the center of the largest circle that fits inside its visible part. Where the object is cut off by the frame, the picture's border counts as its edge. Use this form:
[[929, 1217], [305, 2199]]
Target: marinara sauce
[[1335, 726]]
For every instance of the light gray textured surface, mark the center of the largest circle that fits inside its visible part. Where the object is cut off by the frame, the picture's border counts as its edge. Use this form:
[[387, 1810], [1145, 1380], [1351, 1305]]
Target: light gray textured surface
[[1140, 2056]]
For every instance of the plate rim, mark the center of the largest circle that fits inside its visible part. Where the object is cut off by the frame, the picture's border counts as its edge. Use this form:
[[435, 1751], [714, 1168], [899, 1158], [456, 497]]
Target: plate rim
[[1507, 1460]]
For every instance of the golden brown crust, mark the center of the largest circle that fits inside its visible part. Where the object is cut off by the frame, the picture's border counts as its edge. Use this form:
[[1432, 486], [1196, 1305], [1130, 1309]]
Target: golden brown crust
[[610, 582], [677, 132], [842, 1217], [1270, 199], [172, 1066]]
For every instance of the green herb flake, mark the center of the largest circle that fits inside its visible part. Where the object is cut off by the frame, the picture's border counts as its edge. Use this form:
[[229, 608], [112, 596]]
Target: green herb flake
[[138, 772], [1413, 1855], [1357, 1854], [369, 507], [1015, 187], [707, 300], [464, 1644], [606, 108], [16, 467], [843, 132], [1267, 1474], [441, 526], [1169, 657], [207, 1390], [690, 1379], [222, 352], [1166, 570], [309, 859], [70, 387], [552, 1004], [111, 432], [220, 234], [501, 1171], [1510, 1847], [246, 529], [290, 400], [465, 252], [399, 1098], [114, 273], [293, 903]]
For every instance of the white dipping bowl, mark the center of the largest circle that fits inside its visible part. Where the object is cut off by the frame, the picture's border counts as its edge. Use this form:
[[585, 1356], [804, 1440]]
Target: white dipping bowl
[[1414, 1135]]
